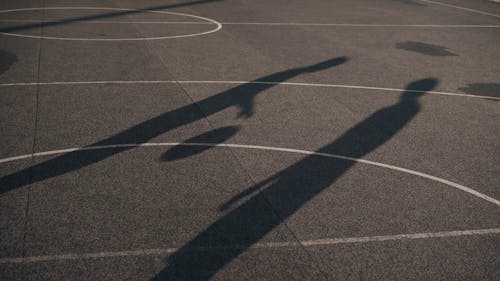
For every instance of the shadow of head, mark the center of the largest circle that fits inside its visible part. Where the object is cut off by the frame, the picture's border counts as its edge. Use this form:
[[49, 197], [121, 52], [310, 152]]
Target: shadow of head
[[6, 60], [425, 49], [483, 89], [419, 88], [195, 145], [326, 64]]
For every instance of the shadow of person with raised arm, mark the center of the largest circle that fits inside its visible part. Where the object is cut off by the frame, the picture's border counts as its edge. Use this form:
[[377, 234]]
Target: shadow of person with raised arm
[[287, 191], [241, 96]]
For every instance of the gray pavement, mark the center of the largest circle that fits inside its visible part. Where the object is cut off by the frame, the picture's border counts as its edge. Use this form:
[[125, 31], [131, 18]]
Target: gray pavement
[[118, 211]]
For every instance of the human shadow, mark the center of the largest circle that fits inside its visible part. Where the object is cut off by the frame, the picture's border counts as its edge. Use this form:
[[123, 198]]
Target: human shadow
[[241, 96], [215, 136], [101, 16], [7, 59], [285, 192]]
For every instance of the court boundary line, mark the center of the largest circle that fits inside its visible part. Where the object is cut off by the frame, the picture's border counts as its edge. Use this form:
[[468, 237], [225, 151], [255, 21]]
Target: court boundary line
[[218, 25], [238, 82], [274, 23], [359, 24], [262, 245], [110, 22], [460, 8], [261, 147]]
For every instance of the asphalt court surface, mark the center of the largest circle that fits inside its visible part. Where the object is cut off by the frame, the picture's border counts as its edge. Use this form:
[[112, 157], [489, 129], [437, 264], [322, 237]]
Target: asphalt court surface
[[249, 140]]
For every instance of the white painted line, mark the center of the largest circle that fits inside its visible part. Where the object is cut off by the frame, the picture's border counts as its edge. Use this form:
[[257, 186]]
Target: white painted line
[[107, 22], [270, 23], [360, 24], [239, 83], [269, 148], [424, 235], [217, 24], [460, 8], [146, 252], [307, 243]]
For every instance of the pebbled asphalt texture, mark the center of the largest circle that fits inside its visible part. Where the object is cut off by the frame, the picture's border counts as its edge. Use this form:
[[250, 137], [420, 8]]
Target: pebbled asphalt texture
[[85, 74]]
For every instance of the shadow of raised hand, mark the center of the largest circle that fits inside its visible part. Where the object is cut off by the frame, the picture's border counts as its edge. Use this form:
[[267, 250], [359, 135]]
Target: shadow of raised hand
[[247, 100]]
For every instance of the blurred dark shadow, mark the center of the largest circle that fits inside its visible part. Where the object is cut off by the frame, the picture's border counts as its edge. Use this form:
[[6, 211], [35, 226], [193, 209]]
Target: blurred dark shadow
[[412, 2], [101, 16], [425, 49], [288, 190], [241, 96], [215, 136], [7, 59], [482, 89]]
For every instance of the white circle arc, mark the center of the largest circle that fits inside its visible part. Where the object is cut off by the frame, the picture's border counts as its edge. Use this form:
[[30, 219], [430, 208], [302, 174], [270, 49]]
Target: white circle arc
[[131, 82], [260, 147], [216, 23]]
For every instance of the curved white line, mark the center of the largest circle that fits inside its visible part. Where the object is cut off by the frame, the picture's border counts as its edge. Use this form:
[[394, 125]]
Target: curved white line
[[460, 8], [217, 28], [269, 148], [262, 245], [238, 83], [112, 22]]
